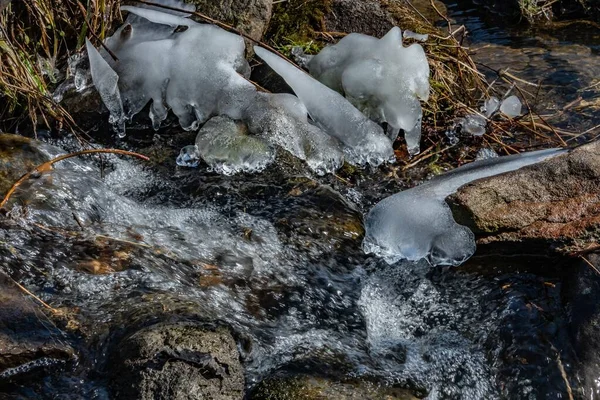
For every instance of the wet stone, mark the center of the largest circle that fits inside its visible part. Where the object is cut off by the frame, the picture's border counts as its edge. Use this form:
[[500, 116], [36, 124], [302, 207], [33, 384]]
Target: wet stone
[[320, 216], [178, 361], [582, 293], [30, 345], [305, 387], [551, 206]]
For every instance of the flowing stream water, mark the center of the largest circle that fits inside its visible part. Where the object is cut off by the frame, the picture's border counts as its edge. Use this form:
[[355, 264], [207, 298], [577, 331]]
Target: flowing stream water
[[277, 257], [562, 58]]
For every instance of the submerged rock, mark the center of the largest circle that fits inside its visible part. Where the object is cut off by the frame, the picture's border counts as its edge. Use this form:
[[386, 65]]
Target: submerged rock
[[305, 387], [178, 361], [18, 155], [555, 203], [541, 11], [583, 311], [28, 343]]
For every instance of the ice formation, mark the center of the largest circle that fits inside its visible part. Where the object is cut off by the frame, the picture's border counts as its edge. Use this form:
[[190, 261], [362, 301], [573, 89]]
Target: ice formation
[[106, 82], [282, 120], [199, 71], [417, 223], [486, 153], [226, 147], [490, 106], [416, 36], [364, 140], [381, 77], [474, 124], [511, 107], [160, 63]]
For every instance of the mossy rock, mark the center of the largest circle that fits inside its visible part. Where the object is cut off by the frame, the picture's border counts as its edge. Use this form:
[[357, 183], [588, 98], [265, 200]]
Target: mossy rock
[[304, 387], [249, 16], [296, 21]]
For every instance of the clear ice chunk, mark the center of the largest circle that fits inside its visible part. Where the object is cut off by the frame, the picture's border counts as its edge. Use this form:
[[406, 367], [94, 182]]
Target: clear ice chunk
[[486, 153], [418, 224], [490, 106], [189, 157], [474, 124], [512, 107], [364, 140], [416, 36], [106, 81]]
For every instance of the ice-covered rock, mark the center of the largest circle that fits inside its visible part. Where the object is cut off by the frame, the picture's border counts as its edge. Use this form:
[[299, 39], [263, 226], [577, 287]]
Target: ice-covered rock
[[381, 77], [198, 72], [490, 106], [282, 120], [227, 148], [511, 107], [417, 223], [364, 140], [474, 124]]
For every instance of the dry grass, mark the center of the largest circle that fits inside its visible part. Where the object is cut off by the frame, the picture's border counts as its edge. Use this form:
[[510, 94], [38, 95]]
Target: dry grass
[[36, 37], [459, 88]]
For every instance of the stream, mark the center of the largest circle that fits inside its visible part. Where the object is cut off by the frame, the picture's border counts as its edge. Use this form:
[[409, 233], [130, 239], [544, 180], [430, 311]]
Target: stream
[[118, 244]]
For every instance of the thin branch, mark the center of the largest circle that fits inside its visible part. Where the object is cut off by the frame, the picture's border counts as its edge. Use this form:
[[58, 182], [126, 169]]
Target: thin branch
[[46, 166], [25, 290]]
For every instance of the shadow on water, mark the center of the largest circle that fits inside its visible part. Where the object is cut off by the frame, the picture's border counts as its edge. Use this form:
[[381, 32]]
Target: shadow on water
[[561, 57]]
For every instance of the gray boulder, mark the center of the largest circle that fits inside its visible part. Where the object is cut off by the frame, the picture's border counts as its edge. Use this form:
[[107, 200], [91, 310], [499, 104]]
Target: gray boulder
[[178, 361]]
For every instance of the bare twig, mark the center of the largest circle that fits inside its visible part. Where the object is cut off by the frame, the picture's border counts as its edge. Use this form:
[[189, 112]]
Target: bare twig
[[25, 290], [592, 266], [48, 164]]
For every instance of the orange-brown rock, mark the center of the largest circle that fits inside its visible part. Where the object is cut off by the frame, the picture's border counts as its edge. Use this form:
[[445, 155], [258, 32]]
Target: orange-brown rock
[[555, 204]]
